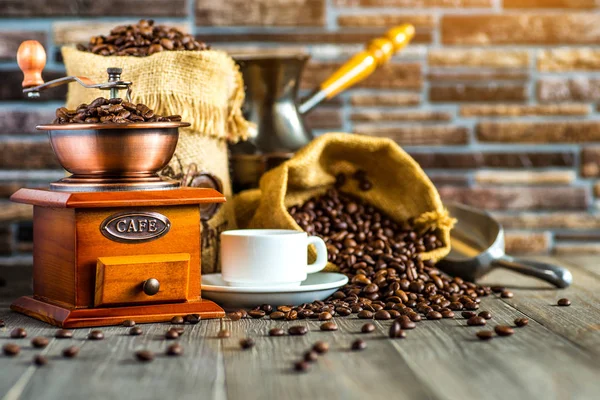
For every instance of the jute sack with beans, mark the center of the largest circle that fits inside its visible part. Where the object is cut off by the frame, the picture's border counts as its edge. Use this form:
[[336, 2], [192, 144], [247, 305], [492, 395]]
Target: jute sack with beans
[[385, 176], [207, 90]]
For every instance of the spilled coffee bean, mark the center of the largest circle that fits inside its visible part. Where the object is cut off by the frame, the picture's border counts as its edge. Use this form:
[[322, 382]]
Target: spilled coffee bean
[[128, 323], [564, 302], [485, 335], [135, 331], [358, 345], [39, 342], [247, 343], [521, 322], [329, 326], [174, 350], [298, 330], [276, 332], [11, 349], [367, 328], [503, 330], [144, 355], [70, 352], [18, 333], [63, 334], [321, 347]]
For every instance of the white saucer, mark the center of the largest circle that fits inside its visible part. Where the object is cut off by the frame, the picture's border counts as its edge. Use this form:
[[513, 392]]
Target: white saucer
[[318, 286]]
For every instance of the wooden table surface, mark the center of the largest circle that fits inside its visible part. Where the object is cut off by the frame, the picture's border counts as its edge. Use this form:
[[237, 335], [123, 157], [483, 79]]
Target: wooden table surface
[[557, 356]]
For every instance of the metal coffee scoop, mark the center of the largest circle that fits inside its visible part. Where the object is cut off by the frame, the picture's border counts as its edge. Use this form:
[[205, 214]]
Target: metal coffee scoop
[[31, 58], [478, 246]]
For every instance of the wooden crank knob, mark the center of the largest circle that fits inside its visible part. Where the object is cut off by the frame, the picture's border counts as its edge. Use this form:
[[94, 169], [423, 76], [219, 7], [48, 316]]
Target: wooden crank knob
[[31, 58], [151, 286]]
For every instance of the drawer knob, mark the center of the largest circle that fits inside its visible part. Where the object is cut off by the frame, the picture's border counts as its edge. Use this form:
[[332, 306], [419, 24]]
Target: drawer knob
[[151, 286]]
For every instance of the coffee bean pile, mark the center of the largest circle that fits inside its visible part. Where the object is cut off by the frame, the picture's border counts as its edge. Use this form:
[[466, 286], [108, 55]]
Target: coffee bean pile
[[382, 258], [110, 111], [140, 40]]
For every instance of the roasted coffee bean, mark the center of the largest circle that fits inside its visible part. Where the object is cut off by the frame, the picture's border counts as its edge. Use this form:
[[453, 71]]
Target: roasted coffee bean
[[171, 334], [365, 185], [144, 355], [503, 330], [267, 308], [257, 314], [291, 316], [321, 347], [471, 305], [179, 329], [39, 342], [506, 294], [140, 40], [447, 313], [485, 314], [96, 335], [367, 328], [135, 331], [11, 349], [40, 360], [476, 321], [468, 314], [383, 315], [174, 350], [276, 332], [329, 326], [224, 333], [414, 317], [365, 314], [192, 319], [564, 302], [484, 335], [235, 316], [277, 315], [298, 330], [455, 306], [396, 331], [178, 319], [521, 322], [311, 356], [301, 366], [70, 352], [343, 311], [434, 315], [117, 113], [358, 344], [128, 323], [18, 333], [325, 316], [2, 323], [247, 343]]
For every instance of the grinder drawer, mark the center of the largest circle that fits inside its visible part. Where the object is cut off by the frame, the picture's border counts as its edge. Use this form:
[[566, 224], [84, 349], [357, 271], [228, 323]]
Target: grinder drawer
[[142, 279]]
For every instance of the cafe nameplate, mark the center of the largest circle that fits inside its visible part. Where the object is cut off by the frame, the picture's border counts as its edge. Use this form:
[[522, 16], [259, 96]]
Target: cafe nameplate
[[135, 227]]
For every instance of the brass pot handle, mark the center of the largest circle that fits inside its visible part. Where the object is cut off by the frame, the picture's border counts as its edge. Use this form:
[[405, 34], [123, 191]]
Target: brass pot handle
[[359, 67]]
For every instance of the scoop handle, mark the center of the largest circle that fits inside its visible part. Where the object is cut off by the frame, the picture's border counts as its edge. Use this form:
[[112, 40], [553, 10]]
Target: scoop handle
[[377, 53], [554, 274], [31, 58]]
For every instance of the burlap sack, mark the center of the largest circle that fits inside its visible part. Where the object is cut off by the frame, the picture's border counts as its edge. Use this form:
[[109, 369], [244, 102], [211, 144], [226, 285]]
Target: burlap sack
[[400, 187], [206, 89]]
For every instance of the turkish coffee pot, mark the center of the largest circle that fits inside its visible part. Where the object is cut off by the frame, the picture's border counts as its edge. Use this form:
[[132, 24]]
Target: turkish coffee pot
[[272, 104]]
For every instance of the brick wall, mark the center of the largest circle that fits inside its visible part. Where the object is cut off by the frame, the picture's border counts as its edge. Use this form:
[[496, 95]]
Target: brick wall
[[495, 99]]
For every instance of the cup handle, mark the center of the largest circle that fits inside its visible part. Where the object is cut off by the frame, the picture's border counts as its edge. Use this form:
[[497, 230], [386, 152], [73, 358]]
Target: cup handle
[[321, 260]]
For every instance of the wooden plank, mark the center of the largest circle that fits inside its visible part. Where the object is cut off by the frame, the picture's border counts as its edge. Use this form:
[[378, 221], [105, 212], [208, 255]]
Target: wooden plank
[[107, 369], [266, 372], [579, 323]]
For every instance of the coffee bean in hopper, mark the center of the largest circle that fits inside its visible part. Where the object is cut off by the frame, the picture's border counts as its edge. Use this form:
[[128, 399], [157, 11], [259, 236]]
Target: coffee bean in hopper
[[298, 330], [321, 347], [144, 355], [503, 330], [521, 322], [11, 349], [564, 302], [247, 343]]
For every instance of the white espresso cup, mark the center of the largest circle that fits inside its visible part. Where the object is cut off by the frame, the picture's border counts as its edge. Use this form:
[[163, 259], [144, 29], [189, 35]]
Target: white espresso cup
[[269, 257]]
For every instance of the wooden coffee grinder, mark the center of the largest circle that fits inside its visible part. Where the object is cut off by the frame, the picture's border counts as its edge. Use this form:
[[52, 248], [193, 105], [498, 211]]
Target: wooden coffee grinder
[[113, 241]]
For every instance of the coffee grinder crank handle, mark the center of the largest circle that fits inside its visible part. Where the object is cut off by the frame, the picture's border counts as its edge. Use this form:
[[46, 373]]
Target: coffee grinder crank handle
[[31, 58], [359, 67]]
